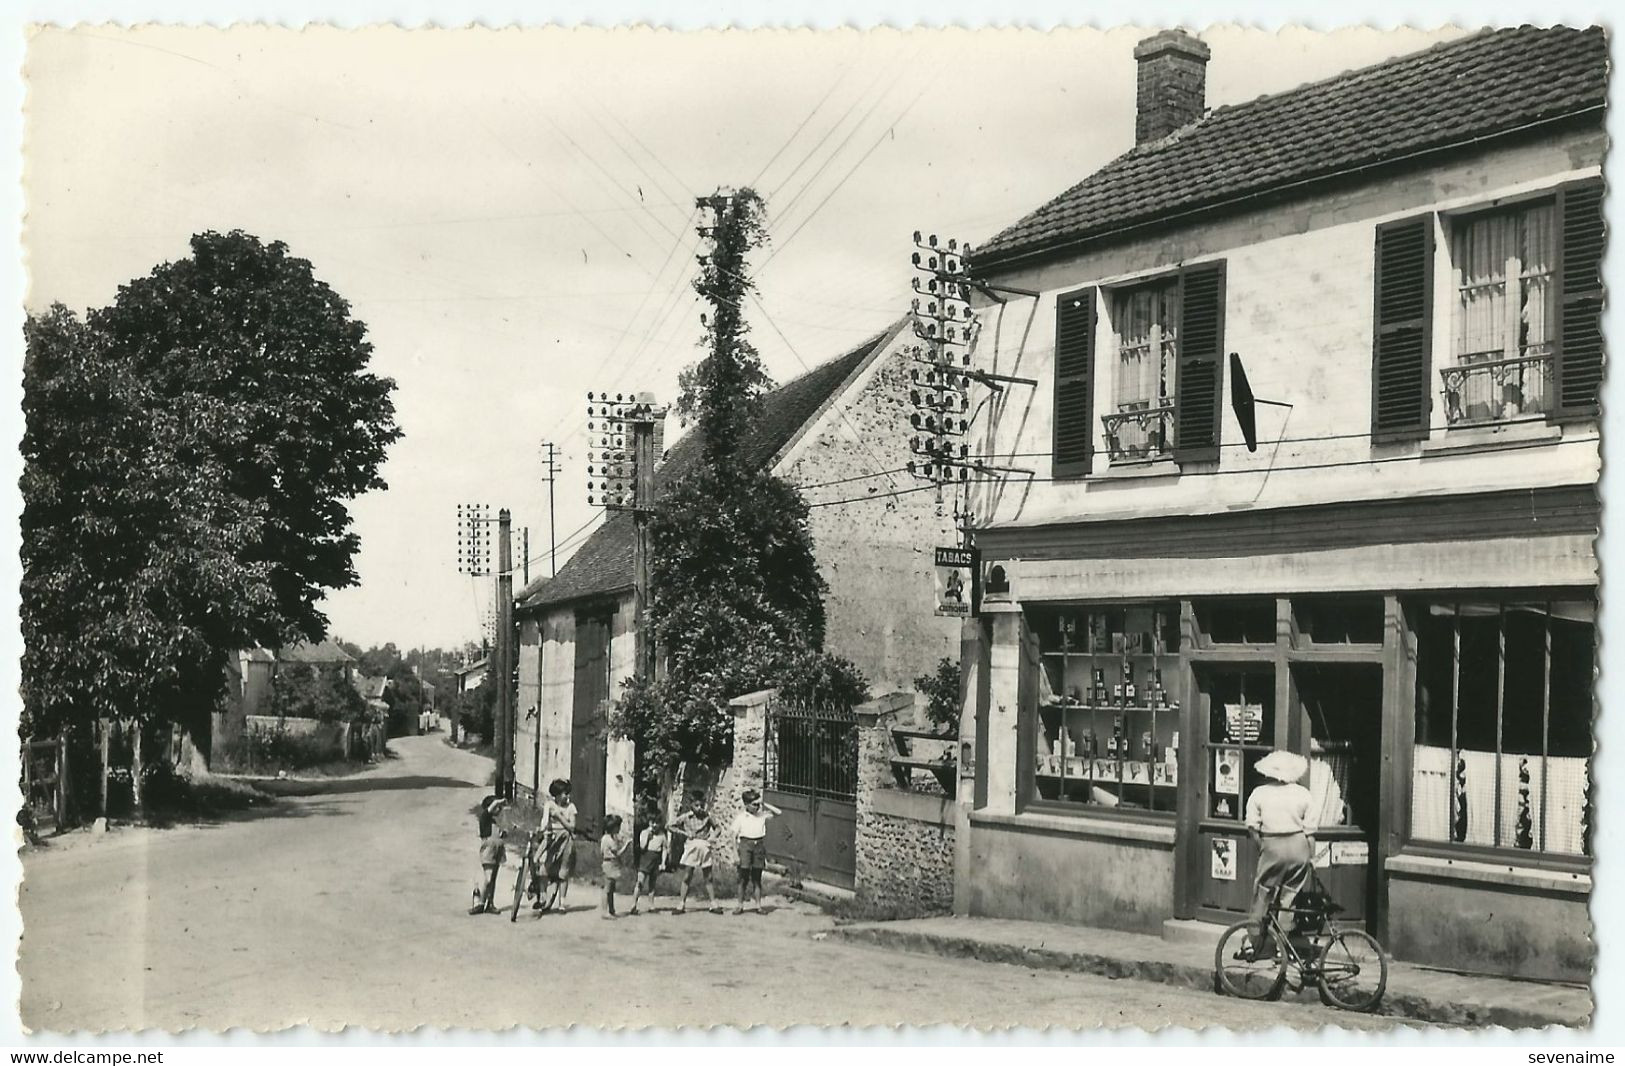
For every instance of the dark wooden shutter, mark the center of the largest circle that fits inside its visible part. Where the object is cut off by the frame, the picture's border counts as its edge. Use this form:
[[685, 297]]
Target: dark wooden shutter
[[1201, 363], [1578, 367], [1074, 383], [1402, 333]]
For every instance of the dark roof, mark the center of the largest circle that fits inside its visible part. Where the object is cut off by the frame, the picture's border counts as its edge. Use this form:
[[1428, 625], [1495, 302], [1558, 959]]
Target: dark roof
[[603, 565], [1490, 83], [328, 651]]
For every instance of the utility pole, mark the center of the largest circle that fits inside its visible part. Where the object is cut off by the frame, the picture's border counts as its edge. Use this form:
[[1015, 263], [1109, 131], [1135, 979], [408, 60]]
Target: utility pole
[[524, 556], [503, 674], [550, 468], [621, 477]]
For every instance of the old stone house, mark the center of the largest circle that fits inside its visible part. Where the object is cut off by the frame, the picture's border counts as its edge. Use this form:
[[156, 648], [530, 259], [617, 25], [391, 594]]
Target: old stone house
[[1399, 583], [834, 431]]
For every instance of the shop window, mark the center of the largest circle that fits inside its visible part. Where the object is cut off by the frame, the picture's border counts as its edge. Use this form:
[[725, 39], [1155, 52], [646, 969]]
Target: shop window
[[1239, 621], [1240, 731], [1503, 726], [1107, 723], [1328, 620]]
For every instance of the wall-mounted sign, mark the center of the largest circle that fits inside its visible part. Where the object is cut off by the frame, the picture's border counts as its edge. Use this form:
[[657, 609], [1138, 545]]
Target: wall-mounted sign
[[1223, 858], [956, 582], [1350, 853]]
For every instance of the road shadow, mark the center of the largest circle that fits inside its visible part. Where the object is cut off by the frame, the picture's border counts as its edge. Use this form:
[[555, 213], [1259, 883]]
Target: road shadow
[[340, 786]]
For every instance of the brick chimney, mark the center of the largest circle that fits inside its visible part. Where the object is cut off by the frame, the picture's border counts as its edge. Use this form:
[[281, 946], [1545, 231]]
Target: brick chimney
[[1172, 87]]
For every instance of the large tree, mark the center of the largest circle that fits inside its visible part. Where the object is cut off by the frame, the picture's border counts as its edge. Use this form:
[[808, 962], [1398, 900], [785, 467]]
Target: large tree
[[188, 452]]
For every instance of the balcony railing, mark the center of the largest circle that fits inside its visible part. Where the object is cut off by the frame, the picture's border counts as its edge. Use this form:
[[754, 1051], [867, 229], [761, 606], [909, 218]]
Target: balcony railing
[[1501, 390], [1139, 434]]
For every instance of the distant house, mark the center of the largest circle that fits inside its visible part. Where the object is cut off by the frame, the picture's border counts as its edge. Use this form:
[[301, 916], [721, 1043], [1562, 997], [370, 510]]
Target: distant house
[[472, 676], [834, 432], [249, 674]]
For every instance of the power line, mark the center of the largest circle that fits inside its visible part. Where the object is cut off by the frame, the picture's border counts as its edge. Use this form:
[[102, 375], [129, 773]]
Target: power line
[[890, 130], [876, 496], [853, 132], [803, 125]]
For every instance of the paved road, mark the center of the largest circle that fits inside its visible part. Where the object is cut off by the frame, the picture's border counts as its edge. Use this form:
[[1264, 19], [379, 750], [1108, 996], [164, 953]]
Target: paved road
[[347, 907]]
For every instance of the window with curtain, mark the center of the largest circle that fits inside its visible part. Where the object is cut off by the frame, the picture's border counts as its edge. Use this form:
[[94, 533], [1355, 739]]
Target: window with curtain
[[1505, 321], [1503, 725], [1145, 320]]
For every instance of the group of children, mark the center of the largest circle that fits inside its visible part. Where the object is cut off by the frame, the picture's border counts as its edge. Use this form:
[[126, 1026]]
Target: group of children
[[695, 861]]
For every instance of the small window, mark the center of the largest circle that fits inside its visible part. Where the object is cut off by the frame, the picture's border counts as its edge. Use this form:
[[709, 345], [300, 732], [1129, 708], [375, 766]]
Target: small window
[[1503, 265], [1145, 322]]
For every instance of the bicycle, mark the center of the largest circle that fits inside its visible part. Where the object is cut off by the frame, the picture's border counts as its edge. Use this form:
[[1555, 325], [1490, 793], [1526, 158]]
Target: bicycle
[[527, 872], [1349, 967]]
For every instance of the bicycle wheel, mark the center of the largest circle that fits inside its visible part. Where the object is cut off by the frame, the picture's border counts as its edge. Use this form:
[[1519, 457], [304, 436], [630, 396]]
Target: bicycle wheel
[[1238, 973], [1352, 971], [519, 887]]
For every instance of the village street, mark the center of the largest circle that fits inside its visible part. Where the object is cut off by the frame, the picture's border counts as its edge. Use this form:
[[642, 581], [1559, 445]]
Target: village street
[[347, 907]]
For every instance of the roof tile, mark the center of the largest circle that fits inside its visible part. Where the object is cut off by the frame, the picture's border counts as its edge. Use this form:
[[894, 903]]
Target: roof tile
[[1484, 85]]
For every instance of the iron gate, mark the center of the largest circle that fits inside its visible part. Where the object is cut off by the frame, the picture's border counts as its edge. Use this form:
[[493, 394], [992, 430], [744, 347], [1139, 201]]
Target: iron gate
[[811, 769]]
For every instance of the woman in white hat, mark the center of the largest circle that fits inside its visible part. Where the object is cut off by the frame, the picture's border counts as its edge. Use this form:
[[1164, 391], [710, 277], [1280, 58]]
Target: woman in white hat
[[1280, 822]]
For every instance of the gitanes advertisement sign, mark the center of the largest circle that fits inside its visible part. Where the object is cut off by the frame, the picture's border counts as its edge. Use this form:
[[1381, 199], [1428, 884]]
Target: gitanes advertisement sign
[[956, 582]]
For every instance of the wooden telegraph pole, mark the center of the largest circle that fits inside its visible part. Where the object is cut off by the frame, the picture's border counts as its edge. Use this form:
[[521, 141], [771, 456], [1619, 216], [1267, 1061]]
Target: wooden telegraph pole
[[502, 668], [621, 477]]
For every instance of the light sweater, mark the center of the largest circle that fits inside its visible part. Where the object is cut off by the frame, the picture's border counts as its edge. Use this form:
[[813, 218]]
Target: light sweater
[[1279, 808]]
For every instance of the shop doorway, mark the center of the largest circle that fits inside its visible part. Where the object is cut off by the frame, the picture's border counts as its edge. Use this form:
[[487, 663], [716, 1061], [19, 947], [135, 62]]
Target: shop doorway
[[1237, 724], [1339, 729]]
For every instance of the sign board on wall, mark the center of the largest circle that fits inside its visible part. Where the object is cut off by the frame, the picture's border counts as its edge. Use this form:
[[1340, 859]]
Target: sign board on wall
[[956, 582], [1223, 865]]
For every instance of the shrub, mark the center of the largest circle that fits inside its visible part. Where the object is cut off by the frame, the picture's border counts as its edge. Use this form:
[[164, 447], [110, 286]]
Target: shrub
[[941, 689]]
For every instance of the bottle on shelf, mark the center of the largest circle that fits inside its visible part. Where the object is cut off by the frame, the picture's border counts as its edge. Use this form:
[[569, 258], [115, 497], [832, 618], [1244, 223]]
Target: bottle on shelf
[[1129, 696]]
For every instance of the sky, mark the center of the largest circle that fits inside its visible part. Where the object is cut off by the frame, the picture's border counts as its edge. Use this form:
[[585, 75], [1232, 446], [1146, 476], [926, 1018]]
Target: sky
[[512, 214]]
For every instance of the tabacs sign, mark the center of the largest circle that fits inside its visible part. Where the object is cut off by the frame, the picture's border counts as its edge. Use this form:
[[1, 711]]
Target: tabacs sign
[[956, 582]]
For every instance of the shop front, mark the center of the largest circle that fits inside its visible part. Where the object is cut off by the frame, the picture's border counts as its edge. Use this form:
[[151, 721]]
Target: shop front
[[1446, 718]]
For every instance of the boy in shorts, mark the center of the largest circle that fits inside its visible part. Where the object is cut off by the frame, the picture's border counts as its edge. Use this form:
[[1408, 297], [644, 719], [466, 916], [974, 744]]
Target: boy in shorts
[[750, 828]]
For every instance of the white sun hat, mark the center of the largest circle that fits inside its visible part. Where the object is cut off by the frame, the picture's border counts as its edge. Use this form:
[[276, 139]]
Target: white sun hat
[[1283, 766]]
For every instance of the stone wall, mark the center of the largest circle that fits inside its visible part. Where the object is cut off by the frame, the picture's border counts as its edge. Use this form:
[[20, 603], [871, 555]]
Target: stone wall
[[874, 547], [905, 839]]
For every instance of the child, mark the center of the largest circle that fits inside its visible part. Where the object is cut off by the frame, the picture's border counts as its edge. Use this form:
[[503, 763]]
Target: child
[[611, 847], [696, 825], [654, 846], [491, 854], [558, 854], [750, 828]]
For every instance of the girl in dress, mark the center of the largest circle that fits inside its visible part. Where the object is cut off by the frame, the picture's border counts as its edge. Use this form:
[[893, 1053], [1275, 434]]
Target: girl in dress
[[558, 846]]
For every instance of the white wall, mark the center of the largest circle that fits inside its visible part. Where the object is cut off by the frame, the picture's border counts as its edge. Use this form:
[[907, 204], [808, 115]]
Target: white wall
[[1298, 309]]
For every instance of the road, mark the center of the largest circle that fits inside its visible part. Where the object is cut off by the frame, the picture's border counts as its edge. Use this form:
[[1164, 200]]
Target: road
[[348, 907]]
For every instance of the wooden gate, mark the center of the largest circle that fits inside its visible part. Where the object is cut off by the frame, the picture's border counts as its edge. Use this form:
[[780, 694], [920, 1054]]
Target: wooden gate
[[45, 785], [811, 768]]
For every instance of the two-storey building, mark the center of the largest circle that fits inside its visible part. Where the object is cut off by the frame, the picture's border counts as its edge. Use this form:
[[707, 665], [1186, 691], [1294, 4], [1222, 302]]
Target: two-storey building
[[1400, 582]]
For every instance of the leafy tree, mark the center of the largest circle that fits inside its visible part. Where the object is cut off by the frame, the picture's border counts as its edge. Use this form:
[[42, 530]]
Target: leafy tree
[[244, 325], [405, 698], [188, 453], [317, 690], [379, 662], [736, 599], [134, 583]]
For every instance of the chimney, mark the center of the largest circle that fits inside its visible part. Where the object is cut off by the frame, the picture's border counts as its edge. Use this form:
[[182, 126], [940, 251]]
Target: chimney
[[1172, 86]]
